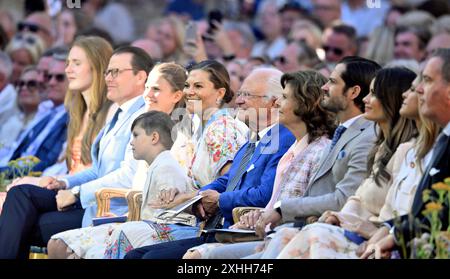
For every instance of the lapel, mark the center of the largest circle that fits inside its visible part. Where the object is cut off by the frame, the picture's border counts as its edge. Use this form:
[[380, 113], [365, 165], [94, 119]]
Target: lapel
[[96, 145], [265, 143], [106, 139], [54, 135], [426, 180], [329, 158]]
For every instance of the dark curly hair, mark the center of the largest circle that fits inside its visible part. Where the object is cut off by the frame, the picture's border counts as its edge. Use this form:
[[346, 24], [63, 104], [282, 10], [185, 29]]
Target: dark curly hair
[[307, 92]]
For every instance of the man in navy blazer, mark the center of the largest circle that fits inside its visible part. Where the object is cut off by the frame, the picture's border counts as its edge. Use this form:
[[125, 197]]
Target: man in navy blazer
[[46, 139], [249, 182]]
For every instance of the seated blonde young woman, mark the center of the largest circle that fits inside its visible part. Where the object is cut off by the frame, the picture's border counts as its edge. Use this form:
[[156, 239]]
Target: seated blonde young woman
[[86, 103]]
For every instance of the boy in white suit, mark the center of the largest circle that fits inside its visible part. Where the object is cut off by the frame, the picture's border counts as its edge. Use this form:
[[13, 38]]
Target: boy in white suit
[[151, 142]]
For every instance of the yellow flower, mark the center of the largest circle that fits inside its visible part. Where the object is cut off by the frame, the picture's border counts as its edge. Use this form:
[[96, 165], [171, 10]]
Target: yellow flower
[[433, 206], [441, 186], [35, 173], [34, 159], [447, 181]]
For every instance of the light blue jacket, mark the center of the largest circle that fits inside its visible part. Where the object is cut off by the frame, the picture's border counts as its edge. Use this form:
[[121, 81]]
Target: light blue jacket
[[113, 164]]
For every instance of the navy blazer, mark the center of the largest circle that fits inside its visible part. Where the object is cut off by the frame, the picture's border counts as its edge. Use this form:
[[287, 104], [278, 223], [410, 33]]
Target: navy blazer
[[256, 185], [52, 146], [50, 149]]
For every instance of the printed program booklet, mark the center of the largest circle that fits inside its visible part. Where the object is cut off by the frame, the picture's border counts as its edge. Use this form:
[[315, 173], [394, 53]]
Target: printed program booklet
[[174, 211]]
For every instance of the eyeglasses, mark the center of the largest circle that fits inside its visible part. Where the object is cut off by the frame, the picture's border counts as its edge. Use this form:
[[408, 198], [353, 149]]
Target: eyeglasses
[[335, 50], [29, 84], [27, 39], [245, 94], [58, 77], [115, 72]]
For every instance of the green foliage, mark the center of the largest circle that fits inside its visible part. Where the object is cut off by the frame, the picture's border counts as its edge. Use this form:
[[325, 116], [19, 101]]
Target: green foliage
[[18, 168], [435, 242]]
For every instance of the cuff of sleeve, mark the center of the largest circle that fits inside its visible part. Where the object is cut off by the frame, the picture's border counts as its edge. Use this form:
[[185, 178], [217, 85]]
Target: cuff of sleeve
[[393, 232], [386, 224], [66, 181]]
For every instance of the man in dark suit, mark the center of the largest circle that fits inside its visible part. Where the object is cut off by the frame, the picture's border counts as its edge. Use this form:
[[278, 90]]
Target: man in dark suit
[[46, 139], [249, 182], [434, 91]]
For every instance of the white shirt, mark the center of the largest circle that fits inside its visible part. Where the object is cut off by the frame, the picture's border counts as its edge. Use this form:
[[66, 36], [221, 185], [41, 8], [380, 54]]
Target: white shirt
[[262, 133], [125, 107], [349, 122], [8, 101], [447, 129]]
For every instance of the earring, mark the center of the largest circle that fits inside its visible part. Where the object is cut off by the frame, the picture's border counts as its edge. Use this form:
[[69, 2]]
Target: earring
[[218, 102]]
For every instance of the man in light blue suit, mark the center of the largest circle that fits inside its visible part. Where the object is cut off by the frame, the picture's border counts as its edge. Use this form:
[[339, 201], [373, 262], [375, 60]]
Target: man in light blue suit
[[249, 182], [31, 214]]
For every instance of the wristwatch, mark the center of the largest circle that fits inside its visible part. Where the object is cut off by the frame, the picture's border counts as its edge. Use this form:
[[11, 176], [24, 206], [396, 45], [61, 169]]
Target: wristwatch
[[76, 191], [392, 232], [277, 207]]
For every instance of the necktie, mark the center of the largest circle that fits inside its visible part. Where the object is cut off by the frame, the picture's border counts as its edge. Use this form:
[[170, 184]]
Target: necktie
[[114, 120], [213, 222], [242, 166], [337, 135], [32, 134]]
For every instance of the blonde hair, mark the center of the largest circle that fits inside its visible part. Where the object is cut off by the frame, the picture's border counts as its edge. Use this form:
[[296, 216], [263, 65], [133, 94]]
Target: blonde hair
[[28, 41], [175, 75], [428, 132], [98, 51], [179, 30]]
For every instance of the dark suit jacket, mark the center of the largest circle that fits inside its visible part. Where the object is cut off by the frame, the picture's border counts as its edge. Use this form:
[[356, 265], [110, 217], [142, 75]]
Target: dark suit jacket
[[256, 185], [52, 146], [410, 224], [49, 151]]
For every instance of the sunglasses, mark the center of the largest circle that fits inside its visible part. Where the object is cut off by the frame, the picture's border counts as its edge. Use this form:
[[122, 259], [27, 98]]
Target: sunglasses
[[21, 26], [335, 50], [29, 84], [58, 77]]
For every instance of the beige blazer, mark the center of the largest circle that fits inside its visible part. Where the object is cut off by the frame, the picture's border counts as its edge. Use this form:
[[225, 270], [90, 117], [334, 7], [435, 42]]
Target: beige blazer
[[163, 173]]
